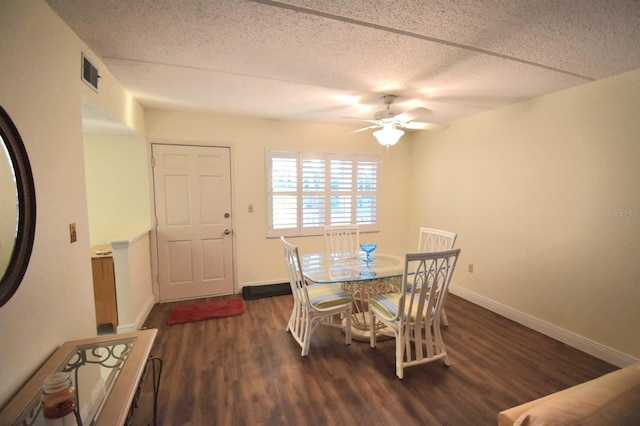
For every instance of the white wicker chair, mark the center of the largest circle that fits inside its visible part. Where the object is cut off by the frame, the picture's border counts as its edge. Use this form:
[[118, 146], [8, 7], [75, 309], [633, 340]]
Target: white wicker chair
[[314, 304], [413, 315], [342, 239], [436, 240]]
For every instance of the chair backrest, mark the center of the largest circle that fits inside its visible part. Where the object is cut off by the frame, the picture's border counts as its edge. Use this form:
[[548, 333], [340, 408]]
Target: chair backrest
[[296, 277], [343, 239], [435, 240], [427, 276]]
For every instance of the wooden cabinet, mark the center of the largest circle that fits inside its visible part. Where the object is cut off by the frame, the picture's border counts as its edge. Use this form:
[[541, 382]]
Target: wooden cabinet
[[104, 289]]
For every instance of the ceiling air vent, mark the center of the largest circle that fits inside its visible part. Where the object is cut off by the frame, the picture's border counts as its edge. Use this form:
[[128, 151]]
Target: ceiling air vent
[[89, 73]]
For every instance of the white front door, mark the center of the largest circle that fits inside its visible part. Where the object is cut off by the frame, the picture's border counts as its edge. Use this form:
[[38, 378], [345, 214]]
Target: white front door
[[192, 187]]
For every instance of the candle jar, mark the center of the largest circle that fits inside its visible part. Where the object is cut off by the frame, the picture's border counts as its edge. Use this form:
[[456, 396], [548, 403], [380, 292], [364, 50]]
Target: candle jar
[[58, 397]]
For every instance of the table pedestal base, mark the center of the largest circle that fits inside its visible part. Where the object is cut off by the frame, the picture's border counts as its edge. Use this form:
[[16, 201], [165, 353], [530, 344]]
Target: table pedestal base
[[361, 332], [361, 292]]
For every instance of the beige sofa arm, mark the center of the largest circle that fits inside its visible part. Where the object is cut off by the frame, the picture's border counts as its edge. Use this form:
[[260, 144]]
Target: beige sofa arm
[[610, 399], [508, 417]]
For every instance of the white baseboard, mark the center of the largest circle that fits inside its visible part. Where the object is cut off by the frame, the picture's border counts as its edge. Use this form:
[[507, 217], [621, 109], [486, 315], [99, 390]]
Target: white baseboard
[[126, 328], [585, 345]]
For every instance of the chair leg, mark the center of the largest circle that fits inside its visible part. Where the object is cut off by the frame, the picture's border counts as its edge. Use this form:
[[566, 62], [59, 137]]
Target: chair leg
[[288, 329], [443, 318], [439, 344], [347, 332], [400, 342], [306, 340], [372, 331], [291, 319]]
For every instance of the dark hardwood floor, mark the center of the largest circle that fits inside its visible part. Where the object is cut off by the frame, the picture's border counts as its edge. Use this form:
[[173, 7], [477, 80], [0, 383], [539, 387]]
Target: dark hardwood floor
[[247, 370]]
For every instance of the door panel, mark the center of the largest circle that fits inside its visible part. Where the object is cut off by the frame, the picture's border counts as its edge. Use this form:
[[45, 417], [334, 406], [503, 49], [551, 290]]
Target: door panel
[[193, 195]]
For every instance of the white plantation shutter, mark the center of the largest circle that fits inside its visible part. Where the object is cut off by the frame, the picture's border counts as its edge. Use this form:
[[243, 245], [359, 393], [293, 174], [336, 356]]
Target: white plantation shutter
[[366, 192], [341, 195], [284, 191], [307, 191], [313, 191]]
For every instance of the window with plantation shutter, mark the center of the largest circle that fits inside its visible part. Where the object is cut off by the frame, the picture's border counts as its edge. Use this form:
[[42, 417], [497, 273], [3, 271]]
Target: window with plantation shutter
[[284, 190], [307, 191], [341, 190], [367, 192], [313, 190]]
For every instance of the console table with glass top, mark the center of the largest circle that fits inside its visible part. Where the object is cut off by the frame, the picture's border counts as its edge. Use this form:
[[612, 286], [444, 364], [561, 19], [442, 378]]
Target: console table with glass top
[[107, 372]]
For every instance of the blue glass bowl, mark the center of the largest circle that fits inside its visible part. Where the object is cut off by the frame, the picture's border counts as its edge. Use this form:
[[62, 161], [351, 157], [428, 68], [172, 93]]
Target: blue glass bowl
[[368, 248]]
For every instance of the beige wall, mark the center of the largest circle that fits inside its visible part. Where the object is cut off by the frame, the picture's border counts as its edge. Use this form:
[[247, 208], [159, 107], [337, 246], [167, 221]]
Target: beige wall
[[544, 196], [117, 187], [117, 176], [40, 87], [258, 259]]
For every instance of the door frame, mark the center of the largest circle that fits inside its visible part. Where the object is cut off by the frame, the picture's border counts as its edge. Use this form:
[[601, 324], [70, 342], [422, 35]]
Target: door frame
[[152, 208]]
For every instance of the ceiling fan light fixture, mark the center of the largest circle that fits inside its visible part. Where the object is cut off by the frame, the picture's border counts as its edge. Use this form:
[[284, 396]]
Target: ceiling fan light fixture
[[388, 135]]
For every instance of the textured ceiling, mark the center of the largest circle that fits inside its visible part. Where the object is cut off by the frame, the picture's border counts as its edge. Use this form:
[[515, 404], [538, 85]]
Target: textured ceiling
[[323, 60]]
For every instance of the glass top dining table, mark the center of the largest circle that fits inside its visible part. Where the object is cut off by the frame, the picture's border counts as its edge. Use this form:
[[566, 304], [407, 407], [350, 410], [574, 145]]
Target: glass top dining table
[[326, 268], [360, 278]]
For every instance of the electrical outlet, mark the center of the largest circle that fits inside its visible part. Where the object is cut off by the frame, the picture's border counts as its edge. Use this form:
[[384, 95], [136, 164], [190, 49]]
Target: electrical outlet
[[73, 237], [250, 208], [471, 268]]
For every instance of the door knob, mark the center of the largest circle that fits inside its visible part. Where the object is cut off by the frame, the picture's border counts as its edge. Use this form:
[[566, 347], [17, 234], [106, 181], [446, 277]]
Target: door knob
[[227, 231]]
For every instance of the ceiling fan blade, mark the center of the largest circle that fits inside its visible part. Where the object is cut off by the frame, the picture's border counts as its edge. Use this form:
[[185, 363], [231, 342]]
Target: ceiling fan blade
[[362, 129], [416, 125], [413, 114], [359, 119]]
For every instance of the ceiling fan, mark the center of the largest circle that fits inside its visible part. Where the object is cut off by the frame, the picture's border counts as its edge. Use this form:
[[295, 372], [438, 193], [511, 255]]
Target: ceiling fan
[[391, 123]]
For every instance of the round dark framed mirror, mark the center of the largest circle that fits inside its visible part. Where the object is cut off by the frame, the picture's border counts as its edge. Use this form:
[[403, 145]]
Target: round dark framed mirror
[[17, 208]]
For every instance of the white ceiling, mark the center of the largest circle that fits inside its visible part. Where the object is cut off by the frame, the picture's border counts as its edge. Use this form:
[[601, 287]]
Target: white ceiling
[[322, 60]]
